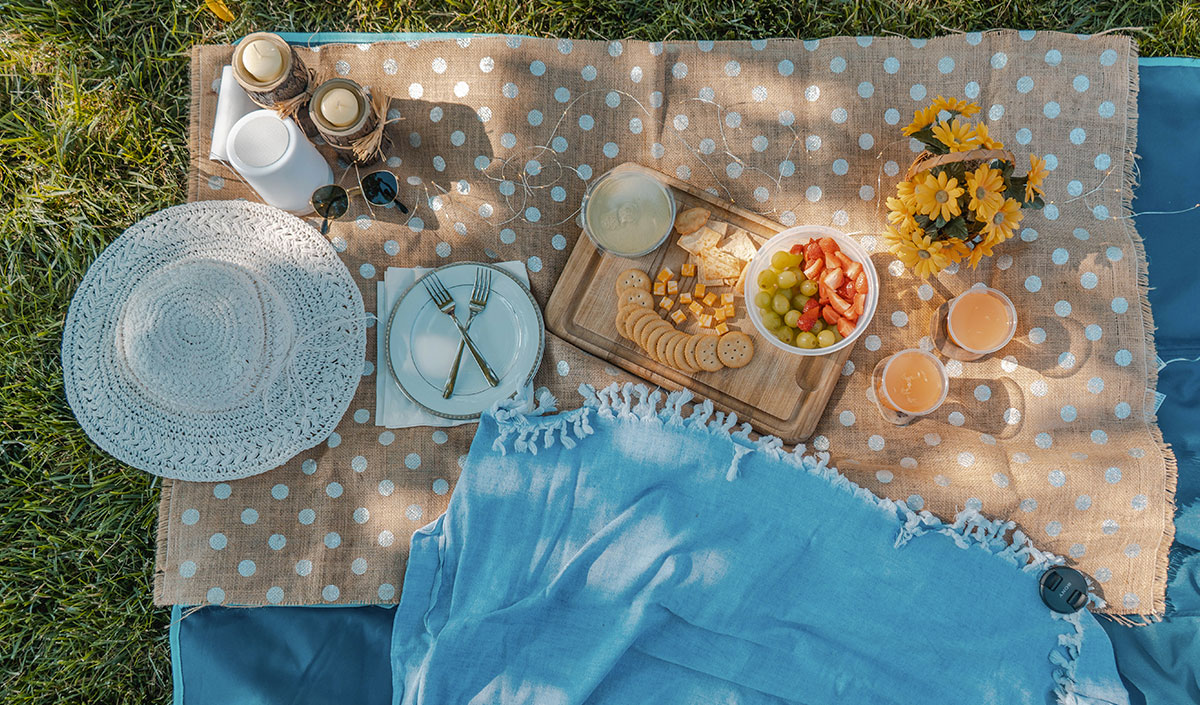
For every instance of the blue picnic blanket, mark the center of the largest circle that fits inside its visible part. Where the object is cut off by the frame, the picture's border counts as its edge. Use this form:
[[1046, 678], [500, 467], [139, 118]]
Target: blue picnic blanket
[[625, 553]]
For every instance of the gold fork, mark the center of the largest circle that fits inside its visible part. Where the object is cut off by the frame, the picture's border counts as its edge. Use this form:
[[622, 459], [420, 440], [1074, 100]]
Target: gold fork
[[445, 302]]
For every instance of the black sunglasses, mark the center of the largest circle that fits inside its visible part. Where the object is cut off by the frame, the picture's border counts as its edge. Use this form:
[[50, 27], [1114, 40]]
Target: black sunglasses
[[381, 188], [330, 202]]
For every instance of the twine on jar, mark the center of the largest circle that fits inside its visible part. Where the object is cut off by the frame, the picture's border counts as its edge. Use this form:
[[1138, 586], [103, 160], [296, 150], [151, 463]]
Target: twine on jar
[[369, 147]]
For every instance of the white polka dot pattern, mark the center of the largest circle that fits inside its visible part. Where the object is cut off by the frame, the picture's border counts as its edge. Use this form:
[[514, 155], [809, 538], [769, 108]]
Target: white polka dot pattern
[[496, 163]]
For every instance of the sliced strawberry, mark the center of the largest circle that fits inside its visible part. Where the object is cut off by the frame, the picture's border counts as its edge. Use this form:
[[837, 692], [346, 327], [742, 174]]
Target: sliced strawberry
[[813, 270], [860, 303], [846, 261], [810, 305], [860, 283], [845, 328], [828, 245], [833, 278], [847, 290], [831, 261], [830, 315], [797, 250], [853, 269], [812, 252], [839, 304], [808, 318]]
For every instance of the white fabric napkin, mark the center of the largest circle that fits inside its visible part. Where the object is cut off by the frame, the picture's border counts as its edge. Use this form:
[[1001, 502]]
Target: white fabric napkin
[[392, 408], [232, 104]]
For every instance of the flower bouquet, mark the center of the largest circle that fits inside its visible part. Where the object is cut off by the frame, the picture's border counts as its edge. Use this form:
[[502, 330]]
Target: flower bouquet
[[959, 198]]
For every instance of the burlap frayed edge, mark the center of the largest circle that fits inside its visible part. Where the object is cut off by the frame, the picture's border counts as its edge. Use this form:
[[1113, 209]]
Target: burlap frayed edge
[[1129, 181], [193, 177], [162, 540]]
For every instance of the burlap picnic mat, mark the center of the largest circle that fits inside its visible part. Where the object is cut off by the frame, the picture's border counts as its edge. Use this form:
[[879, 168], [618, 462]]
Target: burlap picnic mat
[[497, 138]]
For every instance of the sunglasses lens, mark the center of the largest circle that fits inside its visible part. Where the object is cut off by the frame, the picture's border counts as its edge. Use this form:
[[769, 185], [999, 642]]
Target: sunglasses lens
[[380, 187], [331, 201]]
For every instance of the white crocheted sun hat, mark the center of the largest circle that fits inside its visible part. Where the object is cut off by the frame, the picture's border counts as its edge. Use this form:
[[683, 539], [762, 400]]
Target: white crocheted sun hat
[[213, 341]]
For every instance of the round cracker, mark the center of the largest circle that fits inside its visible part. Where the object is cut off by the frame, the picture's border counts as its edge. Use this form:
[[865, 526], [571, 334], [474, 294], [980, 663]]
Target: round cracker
[[689, 353], [633, 278], [643, 338], [663, 349], [633, 316], [654, 336], [706, 353], [631, 295], [638, 326], [622, 318], [736, 349], [678, 356]]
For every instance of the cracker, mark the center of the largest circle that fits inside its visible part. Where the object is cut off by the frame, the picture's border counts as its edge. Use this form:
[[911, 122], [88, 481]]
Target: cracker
[[635, 296], [638, 327], [656, 335], [706, 353], [634, 317], [691, 220], [719, 227], [740, 245], [718, 264], [735, 349], [663, 344], [634, 278], [699, 241], [689, 352], [679, 355]]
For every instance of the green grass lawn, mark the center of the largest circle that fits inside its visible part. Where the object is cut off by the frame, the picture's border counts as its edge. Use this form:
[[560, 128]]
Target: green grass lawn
[[93, 118]]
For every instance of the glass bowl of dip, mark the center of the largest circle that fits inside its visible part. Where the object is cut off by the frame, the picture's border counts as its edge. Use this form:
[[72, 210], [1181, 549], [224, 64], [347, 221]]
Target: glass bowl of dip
[[627, 212]]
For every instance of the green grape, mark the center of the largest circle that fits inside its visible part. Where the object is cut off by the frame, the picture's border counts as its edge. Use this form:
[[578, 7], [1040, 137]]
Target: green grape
[[826, 338], [799, 301], [780, 304], [806, 340], [794, 260], [785, 292], [779, 260], [785, 334], [792, 318], [786, 279], [762, 299], [808, 287], [818, 326], [771, 320], [837, 337], [767, 279]]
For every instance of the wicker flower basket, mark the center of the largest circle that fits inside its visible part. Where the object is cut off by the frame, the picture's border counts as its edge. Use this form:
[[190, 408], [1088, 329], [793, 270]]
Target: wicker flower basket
[[928, 160]]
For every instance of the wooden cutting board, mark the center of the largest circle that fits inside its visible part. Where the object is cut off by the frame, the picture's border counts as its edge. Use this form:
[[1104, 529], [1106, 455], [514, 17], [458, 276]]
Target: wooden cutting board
[[778, 393]]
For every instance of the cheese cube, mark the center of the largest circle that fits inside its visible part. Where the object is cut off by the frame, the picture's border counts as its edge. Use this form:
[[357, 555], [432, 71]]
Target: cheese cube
[[685, 298], [706, 320], [679, 317], [660, 289], [730, 311], [666, 274], [688, 269], [700, 290], [666, 303], [719, 314], [727, 298], [710, 299], [696, 309], [722, 329], [672, 287]]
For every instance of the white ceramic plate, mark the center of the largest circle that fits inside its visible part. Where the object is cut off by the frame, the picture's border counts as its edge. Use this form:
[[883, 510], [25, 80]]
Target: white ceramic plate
[[421, 340]]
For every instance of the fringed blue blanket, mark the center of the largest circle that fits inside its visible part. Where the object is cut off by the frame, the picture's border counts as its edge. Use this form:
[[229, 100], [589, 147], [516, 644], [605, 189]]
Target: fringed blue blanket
[[622, 553]]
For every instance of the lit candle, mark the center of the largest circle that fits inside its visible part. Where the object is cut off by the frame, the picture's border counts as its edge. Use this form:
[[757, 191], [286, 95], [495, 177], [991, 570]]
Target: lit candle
[[340, 107], [262, 60]]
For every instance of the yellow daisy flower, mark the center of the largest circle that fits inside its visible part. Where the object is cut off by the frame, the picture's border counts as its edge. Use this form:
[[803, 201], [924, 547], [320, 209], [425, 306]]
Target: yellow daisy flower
[[904, 192], [1000, 225], [937, 196], [1037, 174], [955, 249], [981, 138], [985, 188], [921, 254], [900, 214], [921, 119], [982, 249], [955, 134], [954, 105]]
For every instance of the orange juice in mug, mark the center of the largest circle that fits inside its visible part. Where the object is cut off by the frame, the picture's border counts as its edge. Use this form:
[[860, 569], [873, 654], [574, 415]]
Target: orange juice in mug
[[910, 384], [981, 320]]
